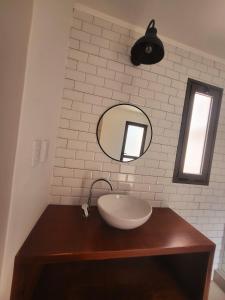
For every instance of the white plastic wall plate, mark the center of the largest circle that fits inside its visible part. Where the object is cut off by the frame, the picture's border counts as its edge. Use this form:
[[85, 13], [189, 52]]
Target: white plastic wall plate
[[44, 151], [36, 149]]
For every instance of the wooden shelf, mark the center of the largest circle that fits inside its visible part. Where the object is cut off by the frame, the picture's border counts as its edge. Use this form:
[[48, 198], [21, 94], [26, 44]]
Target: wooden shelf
[[63, 237], [140, 278]]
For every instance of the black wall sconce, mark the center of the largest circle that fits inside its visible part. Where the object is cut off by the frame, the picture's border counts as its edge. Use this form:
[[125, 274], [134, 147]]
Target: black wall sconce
[[148, 49]]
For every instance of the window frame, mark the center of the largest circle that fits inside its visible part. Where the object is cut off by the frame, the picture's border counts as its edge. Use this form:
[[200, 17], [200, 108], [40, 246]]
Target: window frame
[[128, 123], [216, 93]]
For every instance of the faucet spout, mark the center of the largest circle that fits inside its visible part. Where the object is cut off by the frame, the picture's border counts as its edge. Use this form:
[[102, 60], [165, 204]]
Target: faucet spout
[[93, 183], [86, 206]]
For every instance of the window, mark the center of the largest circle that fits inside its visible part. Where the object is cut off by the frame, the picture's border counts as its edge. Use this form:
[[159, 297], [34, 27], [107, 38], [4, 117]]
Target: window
[[197, 133], [133, 141]]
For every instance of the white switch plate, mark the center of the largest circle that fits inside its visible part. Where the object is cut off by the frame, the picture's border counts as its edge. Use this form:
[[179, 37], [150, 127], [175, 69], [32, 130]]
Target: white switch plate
[[44, 151], [36, 149]]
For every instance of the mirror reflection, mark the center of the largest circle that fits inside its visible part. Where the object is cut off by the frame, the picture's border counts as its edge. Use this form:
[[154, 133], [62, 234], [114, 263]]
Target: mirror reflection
[[124, 132]]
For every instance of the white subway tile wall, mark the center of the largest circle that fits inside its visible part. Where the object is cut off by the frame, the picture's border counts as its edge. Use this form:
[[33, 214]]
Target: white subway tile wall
[[99, 74]]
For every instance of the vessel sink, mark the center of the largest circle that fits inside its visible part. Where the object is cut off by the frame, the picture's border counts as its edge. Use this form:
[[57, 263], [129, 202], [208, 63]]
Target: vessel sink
[[123, 211]]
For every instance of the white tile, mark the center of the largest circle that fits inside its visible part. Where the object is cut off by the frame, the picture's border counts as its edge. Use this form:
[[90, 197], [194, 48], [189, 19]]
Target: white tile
[[61, 190], [77, 145], [108, 54], [74, 44], [59, 162], [78, 55], [83, 16], [79, 125], [80, 35], [103, 23], [95, 80], [72, 94], [84, 155], [76, 23], [121, 77], [104, 92], [117, 47], [67, 134], [80, 106], [96, 60], [89, 48], [120, 29], [87, 68], [130, 89], [70, 114], [99, 41], [65, 153], [75, 75], [103, 72], [74, 163], [63, 172], [110, 35], [112, 65], [114, 85], [91, 28], [84, 87], [72, 182]]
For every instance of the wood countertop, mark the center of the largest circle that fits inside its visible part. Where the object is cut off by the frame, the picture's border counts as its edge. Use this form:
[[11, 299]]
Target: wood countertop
[[63, 234]]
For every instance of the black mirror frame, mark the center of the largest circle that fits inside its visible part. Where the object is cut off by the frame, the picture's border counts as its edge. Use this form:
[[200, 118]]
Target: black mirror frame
[[127, 103]]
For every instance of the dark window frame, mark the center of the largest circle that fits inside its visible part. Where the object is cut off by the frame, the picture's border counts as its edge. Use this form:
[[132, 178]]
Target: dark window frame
[[194, 86], [123, 155]]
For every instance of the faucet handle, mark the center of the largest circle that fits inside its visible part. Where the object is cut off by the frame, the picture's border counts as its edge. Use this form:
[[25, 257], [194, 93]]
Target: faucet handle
[[84, 206]]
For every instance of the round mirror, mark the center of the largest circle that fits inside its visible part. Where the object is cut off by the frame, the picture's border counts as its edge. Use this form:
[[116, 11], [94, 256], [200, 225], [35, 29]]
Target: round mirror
[[124, 132]]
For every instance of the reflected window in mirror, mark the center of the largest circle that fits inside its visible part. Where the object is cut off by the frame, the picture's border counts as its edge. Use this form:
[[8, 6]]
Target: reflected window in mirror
[[133, 141], [124, 132]]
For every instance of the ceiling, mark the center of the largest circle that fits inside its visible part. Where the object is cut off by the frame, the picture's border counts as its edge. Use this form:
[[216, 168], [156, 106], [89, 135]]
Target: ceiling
[[196, 23]]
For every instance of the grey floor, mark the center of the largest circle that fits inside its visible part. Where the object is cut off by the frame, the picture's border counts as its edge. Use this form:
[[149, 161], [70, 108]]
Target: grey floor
[[215, 292]]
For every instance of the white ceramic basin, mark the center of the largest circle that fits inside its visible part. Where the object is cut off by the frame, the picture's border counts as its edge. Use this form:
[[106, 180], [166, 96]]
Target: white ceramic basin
[[122, 211]]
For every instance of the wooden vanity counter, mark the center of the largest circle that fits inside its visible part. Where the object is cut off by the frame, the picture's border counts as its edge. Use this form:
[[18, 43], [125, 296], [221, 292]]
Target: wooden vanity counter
[[165, 249]]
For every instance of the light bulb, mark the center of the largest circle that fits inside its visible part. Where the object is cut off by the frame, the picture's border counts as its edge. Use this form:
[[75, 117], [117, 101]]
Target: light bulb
[[148, 49]]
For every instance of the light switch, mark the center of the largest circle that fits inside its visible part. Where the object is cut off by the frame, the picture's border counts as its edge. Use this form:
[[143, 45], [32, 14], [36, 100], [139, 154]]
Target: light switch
[[44, 151], [36, 149]]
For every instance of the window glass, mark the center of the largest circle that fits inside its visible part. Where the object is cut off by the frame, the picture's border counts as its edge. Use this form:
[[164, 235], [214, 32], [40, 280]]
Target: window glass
[[133, 140], [126, 159], [197, 134]]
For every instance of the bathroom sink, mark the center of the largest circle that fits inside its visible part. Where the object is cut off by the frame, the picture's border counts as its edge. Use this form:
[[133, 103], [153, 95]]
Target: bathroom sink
[[122, 211]]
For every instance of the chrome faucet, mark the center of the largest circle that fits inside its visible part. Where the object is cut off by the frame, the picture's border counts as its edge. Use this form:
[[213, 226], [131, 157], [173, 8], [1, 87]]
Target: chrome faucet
[[86, 206]]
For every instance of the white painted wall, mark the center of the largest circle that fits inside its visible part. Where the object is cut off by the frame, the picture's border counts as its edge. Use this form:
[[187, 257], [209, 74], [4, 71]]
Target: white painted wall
[[13, 53], [40, 108]]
